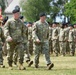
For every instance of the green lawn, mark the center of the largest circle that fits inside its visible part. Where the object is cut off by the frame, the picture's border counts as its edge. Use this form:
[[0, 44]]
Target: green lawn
[[63, 66]]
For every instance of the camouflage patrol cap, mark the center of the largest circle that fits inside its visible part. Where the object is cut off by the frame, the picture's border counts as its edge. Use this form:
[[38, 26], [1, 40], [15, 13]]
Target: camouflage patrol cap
[[42, 14], [15, 11], [17, 7]]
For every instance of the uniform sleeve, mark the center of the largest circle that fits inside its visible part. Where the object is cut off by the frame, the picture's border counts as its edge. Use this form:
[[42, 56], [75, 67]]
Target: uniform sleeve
[[34, 32], [74, 35], [57, 33], [66, 33], [2, 36], [29, 33], [50, 33], [24, 32], [6, 30]]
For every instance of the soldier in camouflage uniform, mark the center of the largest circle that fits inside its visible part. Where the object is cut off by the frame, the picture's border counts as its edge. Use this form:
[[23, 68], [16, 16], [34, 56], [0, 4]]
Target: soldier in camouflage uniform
[[2, 41], [50, 39], [75, 34], [66, 29], [26, 51], [55, 39], [71, 40], [14, 30], [30, 41], [5, 45], [40, 39], [62, 40]]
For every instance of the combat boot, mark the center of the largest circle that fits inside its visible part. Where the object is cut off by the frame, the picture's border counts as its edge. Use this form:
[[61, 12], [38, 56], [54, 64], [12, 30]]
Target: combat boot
[[50, 66], [72, 53], [21, 67], [30, 63], [27, 61], [2, 66], [56, 55], [15, 64], [10, 65], [36, 66]]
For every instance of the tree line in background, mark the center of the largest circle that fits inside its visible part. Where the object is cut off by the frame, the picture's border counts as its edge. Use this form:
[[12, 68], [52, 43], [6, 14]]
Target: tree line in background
[[53, 8]]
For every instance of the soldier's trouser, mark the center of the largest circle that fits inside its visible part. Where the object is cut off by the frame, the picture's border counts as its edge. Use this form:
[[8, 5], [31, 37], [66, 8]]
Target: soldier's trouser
[[72, 47], [30, 47], [26, 52], [67, 47], [44, 48], [1, 57], [15, 57], [50, 46], [19, 48], [5, 49], [62, 47], [55, 46], [75, 45]]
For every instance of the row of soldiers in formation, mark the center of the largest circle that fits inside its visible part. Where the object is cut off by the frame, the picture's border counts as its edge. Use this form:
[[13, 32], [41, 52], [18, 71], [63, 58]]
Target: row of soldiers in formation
[[19, 39], [14, 36], [63, 39]]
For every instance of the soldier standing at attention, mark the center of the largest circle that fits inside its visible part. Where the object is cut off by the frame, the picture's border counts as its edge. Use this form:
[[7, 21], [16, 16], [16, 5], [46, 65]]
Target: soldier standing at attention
[[66, 29], [62, 40], [75, 34], [55, 38], [41, 42], [2, 41], [71, 40], [14, 30]]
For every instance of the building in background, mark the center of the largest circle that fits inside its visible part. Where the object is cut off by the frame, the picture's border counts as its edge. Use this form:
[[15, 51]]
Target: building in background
[[10, 5]]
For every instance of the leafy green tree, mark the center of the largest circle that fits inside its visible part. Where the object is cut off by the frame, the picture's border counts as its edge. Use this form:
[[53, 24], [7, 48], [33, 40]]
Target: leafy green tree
[[70, 10], [32, 8], [61, 4], [2, 4]]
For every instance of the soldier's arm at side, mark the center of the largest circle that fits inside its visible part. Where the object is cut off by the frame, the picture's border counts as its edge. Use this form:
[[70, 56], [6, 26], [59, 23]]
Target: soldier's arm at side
[[50, 33], [6, 32], [34, 35], [2, 36], [74, 33]]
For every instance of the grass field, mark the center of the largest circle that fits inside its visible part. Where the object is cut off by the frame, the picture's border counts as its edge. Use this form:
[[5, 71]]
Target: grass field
[[62, 66]]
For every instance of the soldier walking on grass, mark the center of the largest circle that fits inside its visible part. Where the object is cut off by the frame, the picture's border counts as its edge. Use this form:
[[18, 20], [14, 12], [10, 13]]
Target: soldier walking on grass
[[14, 30], [41, 42]]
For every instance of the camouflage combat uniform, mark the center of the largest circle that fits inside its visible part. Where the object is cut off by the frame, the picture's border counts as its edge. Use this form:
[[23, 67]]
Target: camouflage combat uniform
[[14, 29], [62, 40], [71, 39], [2, 41], [66, 37], [26, 51], [50, 40], [30, 41], [41, 32], [75, 37], [55, 40]]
